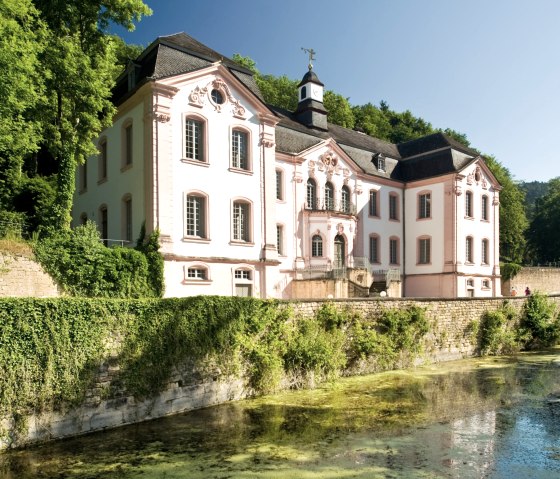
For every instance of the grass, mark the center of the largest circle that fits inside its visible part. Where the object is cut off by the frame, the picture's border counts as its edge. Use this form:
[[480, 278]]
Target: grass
[[16, 246]]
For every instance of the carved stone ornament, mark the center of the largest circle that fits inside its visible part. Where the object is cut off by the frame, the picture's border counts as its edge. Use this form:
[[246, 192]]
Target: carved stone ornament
[[266, 140], [358, 189], [458, 190], [198, 97], [470, 179], [484, 183], [330, 161], [297, 177], [495, 201], [311, 165], [162, 117], [340, 228]]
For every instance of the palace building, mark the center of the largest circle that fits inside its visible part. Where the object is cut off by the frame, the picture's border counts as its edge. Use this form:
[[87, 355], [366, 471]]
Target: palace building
[[252, 200]]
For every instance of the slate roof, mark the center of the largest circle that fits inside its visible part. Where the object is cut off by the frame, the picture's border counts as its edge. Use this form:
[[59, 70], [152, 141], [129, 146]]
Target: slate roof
[[425, 157], [176, 54]]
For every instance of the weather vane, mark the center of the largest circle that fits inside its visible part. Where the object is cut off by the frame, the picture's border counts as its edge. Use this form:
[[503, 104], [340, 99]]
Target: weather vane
[[311, 54]]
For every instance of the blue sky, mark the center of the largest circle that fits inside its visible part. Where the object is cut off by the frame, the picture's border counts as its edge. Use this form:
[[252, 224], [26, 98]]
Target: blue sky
[[487, 68]]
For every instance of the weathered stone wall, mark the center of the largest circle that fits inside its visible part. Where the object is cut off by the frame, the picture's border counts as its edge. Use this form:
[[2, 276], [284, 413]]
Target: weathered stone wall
[[189, 388], [545, 280], [21, 276]]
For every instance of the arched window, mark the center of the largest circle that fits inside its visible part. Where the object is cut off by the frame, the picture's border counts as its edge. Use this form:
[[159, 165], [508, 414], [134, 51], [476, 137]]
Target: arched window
[[241, 220], [104, 224], [345, 199], [393, 206], [194, 139], [127, 218], [425, 205], [240, 149], [393, 250], [468, 204], [197, 272], [195, 215], [127, 144], [484, 208], [424, 250], [484, 251], [329, 196], [316, 246], [374, 249], [311, 194], [303, 92], [469, 250], [102, 158]]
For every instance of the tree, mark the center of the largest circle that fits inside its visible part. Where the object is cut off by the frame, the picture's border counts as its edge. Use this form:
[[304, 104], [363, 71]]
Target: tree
[[78, 64], [513, 221], [372, 120], [21, 42], [338, 109], [543, 236]]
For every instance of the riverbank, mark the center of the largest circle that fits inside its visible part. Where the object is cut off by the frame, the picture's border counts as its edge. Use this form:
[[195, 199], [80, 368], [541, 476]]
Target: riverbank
[[113, 363], [490, 417]]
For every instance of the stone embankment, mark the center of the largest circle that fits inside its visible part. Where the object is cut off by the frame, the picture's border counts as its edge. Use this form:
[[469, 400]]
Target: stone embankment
[[108, 405], [22, 277]]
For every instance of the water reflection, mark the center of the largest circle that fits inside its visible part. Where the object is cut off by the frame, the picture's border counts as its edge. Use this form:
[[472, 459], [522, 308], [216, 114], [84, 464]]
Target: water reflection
[[476, 418]]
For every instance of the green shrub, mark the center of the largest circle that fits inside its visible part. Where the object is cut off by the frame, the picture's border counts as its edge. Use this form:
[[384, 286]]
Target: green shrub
[[540, 325], [496, 333], [509, 270], [83, 266]]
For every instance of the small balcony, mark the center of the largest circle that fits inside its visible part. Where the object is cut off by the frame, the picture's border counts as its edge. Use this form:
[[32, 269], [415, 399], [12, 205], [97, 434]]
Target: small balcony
[[326, 205]]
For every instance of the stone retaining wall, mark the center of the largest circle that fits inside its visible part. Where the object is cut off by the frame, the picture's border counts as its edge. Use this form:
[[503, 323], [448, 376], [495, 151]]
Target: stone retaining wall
[[189, 388], [545, 280], [22, 277]]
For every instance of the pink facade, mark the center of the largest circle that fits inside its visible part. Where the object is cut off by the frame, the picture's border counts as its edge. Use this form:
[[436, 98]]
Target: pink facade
[[251, 200]]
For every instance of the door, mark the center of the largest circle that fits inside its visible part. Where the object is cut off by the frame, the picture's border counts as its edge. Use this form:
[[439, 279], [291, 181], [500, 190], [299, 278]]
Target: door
[[339, 249]]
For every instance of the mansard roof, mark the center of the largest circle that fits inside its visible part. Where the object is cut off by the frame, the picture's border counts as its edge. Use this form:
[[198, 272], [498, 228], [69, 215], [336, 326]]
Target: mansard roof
[[174, 55], [425, 157]]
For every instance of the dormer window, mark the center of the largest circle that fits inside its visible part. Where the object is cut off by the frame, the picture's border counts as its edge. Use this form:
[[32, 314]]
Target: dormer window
[[379, 162]]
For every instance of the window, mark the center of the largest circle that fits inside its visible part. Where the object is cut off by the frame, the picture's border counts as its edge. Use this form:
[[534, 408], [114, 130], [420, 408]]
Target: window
[[470, 288], [83, 219], [317, 246], [486, 284], [373, 205], [393, 207], [280, 239], [329, 196], [484, 206], [197, 273], [242, 274], [374, 249], [345, 199], [104, 220], [393, 251], [311, 194], [128, 145], [303, 92], [83, 175], [217, 96], [424, 205], [379, 161], [195, 216], [243, 282], [127, 218], [241, 221], [194, 139], [469, 249], [239, 150], [468, 204], [102, 160], [424, 250], [484, 251], [279, 185]]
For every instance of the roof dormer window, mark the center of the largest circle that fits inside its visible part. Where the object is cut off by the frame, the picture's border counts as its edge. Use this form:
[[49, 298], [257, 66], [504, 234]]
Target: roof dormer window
[[379, 162]]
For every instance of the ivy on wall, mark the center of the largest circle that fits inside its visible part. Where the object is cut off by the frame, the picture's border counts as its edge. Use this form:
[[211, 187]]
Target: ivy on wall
[[51, 349], [83, 266]]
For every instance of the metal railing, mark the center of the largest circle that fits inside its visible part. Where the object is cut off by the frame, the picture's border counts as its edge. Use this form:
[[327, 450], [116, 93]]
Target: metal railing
[[114, 242], [321, 204]]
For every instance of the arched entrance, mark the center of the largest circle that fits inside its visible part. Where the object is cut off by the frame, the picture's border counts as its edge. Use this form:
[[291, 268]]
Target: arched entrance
[[339, 252]]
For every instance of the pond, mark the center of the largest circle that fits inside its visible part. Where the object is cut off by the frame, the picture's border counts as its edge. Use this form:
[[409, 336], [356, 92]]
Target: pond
[[491, 418]]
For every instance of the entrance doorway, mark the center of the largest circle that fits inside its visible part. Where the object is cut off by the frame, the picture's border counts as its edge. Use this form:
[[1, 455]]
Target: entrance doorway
[[339, 252]]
